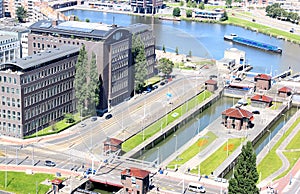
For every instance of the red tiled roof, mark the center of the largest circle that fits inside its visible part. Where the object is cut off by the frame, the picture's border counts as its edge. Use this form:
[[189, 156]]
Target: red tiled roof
[[262, 98], [136, 172], [263, 76], [285, 89], [114, 141], [56, 181], [211, 82], [237, 113]]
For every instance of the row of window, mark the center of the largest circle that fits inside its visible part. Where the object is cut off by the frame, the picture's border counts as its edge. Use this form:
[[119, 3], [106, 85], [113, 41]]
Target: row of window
[[47, 118], [50, 81], [119, 57], [9, 46], [118, 86], [116, 75], [8, 114], [7, 101], [122, 47], [9, 128], [47, 72], [10, 80], [10, 90], [119, 65], [52, 40], [47, 93]]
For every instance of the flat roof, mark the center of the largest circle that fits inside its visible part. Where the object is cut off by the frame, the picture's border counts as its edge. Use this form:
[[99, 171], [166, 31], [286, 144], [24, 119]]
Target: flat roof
[[7, 36], [43, 57]]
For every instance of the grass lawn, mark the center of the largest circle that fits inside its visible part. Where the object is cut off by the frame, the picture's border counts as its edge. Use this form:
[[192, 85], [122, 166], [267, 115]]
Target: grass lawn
[[264, 166], [262, 29], [59, 126], [276, 105], [292, 156], [217, 158], [152, 80], [20, 183], [193, 150], [163, 122]]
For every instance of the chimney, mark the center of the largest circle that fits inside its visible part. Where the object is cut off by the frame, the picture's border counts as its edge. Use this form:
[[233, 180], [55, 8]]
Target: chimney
[[54, 23]]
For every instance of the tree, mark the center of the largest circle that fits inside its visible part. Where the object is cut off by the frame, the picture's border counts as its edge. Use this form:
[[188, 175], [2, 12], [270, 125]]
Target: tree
[[87, 20], [189, 3], [194, 4], [165, 66], [140, 63], [190, 53], [21, 14], [69, 118], [201, 6], [181, 3], [228, 3], [245, 173], [94, 85], [80, 79], [189, 13], [176, 51], [176, 12]]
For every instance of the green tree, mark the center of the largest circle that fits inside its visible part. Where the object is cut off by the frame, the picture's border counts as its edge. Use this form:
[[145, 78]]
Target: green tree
[[190, 53], [176, 51], [80, 79], [201, 6], [165, 66], [189, 13], [176, 12], [228, 3], [164, 48], [87, 20], [140, 63], [189, 3], [245, 173], [69, 118], [21, 14], [93, 85], [194, 4], [181, 3]]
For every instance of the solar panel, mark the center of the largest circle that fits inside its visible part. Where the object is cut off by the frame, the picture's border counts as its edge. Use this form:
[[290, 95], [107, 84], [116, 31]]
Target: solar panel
[[69, 28], [45, 25]]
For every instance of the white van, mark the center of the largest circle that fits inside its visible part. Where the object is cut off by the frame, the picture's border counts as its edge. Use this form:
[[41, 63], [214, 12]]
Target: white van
[[196, 188]]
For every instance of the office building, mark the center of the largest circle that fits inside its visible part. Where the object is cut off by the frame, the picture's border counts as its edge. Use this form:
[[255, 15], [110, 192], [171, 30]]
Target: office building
[[37, 90], [146, 6], [112, 46], [9, 48]]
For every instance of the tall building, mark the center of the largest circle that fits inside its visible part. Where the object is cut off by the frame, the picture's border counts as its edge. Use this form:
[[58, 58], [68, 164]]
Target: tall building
[[36, 90], [146, 6], [1, 8], [9, 48], [112, 46]]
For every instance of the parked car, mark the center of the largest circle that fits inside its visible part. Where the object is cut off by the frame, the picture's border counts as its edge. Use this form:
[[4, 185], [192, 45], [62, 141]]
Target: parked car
[[256, 112], [90, 171], [49, 163], [155, 87], [292, 30], [162, 83], [93, 118], [213, 76], [108, 116], [82, 125], [238, 79]]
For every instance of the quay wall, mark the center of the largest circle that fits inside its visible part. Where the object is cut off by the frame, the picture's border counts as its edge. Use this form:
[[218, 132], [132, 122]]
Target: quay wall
[[171, 128]]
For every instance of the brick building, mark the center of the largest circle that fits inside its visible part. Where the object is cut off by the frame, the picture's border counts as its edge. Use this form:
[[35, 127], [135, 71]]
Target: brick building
[[36, 90], [261, 101], [263, 81], [211, 85], [135, 180], [112, 46], [237, 118], [285, 92]]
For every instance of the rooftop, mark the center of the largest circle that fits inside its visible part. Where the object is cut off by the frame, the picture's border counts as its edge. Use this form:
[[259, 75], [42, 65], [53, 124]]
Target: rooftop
[[237, 113], [40, 58], [135, 172], [262, 98], [263, 76]]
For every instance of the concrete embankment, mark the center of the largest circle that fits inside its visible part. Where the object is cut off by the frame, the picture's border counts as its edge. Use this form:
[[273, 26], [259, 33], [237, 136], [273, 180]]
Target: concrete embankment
[[171, 128]]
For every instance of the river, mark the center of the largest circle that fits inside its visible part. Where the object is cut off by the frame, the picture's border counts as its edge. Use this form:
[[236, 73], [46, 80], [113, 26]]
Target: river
[[205, 40]]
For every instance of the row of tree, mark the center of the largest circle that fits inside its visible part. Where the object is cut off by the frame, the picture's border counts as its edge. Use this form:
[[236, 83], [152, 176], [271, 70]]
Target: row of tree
[[275, 11]]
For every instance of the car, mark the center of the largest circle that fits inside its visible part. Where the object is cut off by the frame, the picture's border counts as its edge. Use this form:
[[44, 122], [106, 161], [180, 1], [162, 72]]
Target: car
[[292, 30], [196, 188], [82, 125], [256, 112], [155, 87], [238, 79], [90, 171], [93, 118], [49, 163], [213, 76], [108, 116], [145, 92], [162, 83]]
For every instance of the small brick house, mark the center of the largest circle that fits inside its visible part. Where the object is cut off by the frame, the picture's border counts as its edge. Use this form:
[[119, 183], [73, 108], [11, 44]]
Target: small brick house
[[284, 92], [263, 81], [237, 118], [211, 85], [261, 101], [112, 145], [135, 180]]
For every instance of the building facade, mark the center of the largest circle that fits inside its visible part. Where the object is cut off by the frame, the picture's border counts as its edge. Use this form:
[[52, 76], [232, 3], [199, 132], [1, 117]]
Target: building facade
[[37, 90], [135, 180], [111, 45], [9, 48], [236, 118], [146, 6]]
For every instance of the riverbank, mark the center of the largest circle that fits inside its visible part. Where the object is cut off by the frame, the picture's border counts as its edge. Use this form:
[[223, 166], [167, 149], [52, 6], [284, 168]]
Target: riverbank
[[233, 19]]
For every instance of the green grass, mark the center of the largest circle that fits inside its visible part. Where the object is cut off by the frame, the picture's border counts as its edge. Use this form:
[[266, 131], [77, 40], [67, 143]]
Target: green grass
[[152, 80], [21, 183], [291, 155], [262, 29], [173, 4], [264, 166], [163, 122], [217, 158], [193, 150], [59, 126]]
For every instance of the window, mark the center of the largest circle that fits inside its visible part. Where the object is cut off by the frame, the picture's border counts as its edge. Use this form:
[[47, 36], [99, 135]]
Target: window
[[3, 89]]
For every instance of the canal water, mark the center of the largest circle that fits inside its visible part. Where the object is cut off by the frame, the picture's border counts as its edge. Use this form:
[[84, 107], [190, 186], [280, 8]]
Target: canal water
[[205, 40]]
